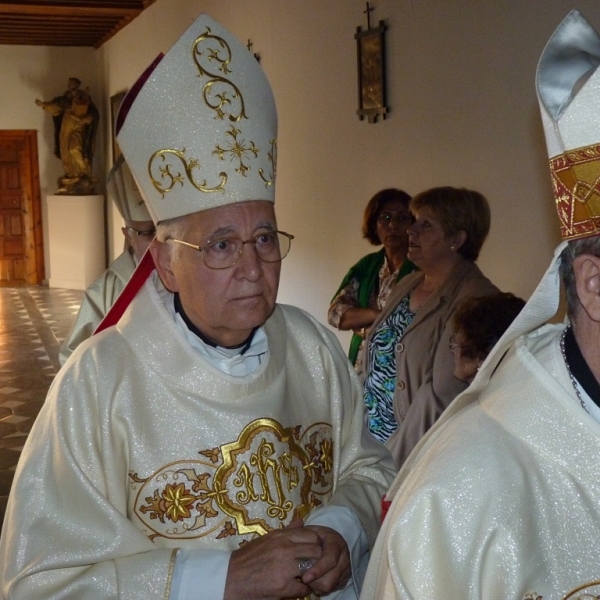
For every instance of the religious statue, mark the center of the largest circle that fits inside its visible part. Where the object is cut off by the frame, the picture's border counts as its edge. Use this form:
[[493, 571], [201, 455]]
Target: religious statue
[[75, 124]]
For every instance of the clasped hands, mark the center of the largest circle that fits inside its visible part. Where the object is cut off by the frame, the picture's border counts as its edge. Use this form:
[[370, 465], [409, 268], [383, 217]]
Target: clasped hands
[[268, 568]]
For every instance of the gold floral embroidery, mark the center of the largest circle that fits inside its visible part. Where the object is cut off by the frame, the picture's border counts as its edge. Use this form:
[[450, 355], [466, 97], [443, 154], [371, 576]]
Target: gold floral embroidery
[[321, 459], [272, 156], [218, 92], [228, 530], [176, 500], [214, 454], [262, 481], [238, 149], [164, 174]]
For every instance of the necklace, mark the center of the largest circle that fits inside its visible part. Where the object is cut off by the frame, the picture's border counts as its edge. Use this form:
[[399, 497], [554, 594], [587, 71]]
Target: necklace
[[573, 381]]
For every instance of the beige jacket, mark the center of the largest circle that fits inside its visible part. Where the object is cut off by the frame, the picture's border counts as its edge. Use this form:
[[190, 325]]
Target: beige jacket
[[425, 383]]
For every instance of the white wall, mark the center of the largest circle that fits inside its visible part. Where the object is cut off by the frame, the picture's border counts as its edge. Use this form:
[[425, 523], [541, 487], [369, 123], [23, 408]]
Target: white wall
[[30, 72], [463, 111]]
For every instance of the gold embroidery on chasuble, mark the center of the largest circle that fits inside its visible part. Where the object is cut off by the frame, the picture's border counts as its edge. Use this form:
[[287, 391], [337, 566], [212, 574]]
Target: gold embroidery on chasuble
[[588, 591], [577, 191], [266, 478]]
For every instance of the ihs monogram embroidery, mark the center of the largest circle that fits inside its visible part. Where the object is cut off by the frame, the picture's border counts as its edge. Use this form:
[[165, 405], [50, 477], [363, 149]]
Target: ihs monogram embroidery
[[265, 479]]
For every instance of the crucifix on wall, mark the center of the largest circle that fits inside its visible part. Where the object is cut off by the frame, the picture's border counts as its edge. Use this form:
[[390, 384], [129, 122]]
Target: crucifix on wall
[[255, 54], [370, 47]]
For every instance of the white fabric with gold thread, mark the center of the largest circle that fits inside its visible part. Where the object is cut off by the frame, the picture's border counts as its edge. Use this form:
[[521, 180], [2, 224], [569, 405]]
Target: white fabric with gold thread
[[97, 299], [202, 131], [502, 499], [121, 187], [206, 460], [568, 87]]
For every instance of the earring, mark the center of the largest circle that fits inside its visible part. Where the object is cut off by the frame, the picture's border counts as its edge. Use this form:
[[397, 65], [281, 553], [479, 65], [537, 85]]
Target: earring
[[452, 248]]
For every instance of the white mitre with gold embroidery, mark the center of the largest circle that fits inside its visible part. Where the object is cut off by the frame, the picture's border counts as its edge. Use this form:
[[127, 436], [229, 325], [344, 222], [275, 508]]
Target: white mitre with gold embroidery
[[202, 130], [568, 86], [125, 194]]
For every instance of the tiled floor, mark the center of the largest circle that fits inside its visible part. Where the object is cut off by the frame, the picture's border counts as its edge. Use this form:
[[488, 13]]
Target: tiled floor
[[33, 323]]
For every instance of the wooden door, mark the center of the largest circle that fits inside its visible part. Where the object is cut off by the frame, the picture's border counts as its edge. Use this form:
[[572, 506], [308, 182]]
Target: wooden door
[[21, 241]]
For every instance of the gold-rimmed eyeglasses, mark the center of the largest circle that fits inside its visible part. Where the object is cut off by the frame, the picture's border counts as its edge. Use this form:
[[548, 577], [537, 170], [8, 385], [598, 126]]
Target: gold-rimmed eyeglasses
[[143, 233], [223, 253]]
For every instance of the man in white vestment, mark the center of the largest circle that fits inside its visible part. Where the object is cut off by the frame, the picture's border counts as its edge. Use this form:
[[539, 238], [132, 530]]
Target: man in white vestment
[[210, 444], [139, 231], [501, 501]]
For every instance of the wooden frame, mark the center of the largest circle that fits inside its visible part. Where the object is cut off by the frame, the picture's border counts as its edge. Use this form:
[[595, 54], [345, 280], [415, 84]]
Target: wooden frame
[[370, 47]]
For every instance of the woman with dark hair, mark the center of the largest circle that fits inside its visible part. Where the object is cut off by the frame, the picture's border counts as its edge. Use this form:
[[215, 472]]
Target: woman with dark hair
[[408, 371], [365, 288], [478, 325]]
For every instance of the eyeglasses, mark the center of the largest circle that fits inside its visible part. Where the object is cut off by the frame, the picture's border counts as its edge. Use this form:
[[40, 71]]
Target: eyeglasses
[[389, 218], [223, 253], [454, 345], [146, 233]]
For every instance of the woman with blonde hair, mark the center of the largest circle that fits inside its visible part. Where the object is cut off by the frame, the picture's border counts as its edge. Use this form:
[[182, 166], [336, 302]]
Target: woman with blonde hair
[[408, 371]]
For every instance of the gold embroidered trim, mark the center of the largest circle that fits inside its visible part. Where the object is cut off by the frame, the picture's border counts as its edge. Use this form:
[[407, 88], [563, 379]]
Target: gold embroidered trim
[[182, 501], [263, 480], [189, 165], [219, 53], [269, 472], [272, 156], [577, 191], [237, 150], [170, 574], [586, 595]]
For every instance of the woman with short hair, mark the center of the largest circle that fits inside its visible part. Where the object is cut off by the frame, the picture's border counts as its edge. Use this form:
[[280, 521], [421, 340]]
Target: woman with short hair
[[478, 325], [366, 287], [408, 371]]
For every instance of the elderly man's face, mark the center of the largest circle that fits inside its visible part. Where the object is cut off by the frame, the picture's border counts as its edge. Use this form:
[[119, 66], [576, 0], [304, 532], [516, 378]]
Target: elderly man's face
[[224, 304], [139, 234]]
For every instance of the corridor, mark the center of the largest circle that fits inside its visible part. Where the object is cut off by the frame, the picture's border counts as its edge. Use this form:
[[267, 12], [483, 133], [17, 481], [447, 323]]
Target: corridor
[[33, 323]]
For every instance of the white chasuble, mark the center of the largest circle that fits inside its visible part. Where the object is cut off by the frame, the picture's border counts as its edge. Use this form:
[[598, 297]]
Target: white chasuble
[[143, 447], [502, 499]]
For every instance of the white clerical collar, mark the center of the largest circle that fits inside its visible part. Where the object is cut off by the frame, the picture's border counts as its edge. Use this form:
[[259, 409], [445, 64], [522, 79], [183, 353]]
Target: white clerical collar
[[230, 361]]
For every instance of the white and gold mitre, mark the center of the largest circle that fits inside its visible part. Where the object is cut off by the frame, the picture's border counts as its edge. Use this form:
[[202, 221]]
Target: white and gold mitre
[[125, 193], [202, 130], [568, 86]]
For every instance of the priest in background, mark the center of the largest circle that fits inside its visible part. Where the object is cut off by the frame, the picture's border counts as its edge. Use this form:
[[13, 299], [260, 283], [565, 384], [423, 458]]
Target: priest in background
[[139, 231]]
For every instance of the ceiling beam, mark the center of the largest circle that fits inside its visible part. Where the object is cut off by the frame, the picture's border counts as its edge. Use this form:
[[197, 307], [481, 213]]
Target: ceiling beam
[[66, 11]]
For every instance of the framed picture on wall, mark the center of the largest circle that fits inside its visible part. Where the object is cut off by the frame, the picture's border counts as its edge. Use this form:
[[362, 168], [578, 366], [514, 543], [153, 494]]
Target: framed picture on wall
[[115, 103], [370, 48]]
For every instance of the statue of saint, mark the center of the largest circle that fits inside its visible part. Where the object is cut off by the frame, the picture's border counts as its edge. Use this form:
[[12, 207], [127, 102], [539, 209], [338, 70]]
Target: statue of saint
[[75, 125]]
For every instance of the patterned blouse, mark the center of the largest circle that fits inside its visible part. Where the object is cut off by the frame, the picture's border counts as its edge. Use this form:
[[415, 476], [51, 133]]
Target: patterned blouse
[[380, 382], [348, 298]]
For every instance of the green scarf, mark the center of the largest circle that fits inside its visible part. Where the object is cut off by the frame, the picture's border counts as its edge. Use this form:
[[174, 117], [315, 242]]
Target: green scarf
[[366, 272]]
